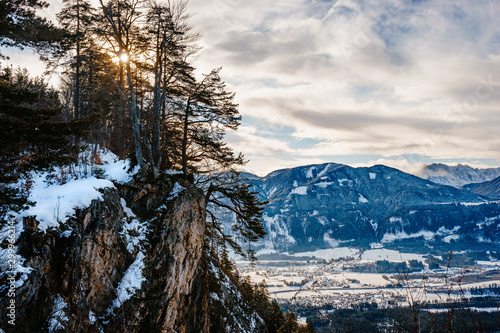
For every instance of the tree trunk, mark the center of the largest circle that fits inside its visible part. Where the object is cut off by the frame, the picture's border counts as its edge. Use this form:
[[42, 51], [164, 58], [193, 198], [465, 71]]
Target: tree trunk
[[185, 139], [77, 74], [134, 112], [157, 111]]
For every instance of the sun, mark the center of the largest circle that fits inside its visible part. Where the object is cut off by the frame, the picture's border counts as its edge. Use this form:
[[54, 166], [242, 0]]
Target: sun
[[121, 57], [124, 57]]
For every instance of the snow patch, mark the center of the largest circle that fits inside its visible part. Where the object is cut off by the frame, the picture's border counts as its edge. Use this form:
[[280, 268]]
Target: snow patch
[[390, 255], [393, 219], [345, 182], [389, 237], [92, 317], [276, 227], [309, 173], [54, 203], [58, 317], [330, 241], [362, 199], [325, 170], [176, 191], [328, 254], [449, 238], [135, 231], [302, 190], [372, 175], [322, 220], [130, 282], [323, 184], [66, 234]]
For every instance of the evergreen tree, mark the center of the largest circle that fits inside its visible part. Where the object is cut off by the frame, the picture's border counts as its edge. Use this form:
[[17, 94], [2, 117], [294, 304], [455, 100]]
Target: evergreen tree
[[32, 136], [290, 324], [76, 19], [20, 26]]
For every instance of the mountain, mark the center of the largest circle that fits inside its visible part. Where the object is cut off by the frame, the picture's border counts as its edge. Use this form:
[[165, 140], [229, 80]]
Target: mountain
[[329, 205], [489, 189], [457, 176]]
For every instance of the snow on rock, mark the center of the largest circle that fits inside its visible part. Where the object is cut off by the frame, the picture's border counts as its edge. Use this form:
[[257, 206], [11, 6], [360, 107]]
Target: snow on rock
[[393, 219], [345, 182], [275, 227], [175, 191], [58, 317], [54, 203], [449, 238], [92, 317], [323, 184], [309, 173], [325, 170], [130, 282], [134, 230]]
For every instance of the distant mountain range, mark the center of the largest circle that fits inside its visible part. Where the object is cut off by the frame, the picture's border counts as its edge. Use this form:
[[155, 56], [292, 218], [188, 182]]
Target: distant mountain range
[[330, 205], [489, 189], [458, 175]]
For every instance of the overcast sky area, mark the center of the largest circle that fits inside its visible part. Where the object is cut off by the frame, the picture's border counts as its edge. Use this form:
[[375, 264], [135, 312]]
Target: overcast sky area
[[358, 82]]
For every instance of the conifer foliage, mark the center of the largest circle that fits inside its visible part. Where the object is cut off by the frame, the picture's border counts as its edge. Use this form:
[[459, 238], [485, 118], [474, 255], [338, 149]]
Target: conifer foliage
[[20, 26], [32, 133]]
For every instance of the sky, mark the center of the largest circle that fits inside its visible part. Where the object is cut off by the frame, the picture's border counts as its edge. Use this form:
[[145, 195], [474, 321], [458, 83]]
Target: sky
[[394, 82]]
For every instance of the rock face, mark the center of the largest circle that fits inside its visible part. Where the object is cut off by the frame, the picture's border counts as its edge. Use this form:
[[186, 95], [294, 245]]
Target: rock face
[[79, 269], [330, 205], [77, 265], [172, 268]]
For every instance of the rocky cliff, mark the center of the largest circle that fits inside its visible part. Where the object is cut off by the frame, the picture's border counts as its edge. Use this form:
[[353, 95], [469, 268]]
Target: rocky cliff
[[132, 261]]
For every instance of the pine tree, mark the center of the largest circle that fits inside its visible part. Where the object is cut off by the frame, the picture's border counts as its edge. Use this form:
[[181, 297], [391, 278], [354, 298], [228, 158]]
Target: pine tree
[[31, 134], [21, 27], [76, 20]]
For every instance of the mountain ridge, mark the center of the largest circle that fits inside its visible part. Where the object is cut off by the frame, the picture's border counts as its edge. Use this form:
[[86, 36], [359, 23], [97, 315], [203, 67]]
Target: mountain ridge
[[489, 188], [324, 205]]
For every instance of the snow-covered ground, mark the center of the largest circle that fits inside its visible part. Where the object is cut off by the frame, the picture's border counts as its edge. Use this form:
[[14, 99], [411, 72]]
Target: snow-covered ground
[[368, 255], [315, 283], [56, 194]]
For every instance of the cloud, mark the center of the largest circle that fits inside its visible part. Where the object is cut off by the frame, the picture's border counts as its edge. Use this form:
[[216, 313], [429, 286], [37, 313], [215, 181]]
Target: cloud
[[341, 80], [387, 77]]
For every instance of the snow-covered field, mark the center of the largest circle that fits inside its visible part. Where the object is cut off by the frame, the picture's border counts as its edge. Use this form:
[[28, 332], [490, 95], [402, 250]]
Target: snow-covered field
[[369, 255], [313, 282]]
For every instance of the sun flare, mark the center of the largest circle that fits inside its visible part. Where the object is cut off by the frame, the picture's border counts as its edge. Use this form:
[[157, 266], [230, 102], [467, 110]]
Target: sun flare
[[124, 57], [121, 57]]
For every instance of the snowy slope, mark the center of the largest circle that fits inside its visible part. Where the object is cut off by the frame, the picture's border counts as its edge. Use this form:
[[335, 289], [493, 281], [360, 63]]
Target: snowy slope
[[328, 205]]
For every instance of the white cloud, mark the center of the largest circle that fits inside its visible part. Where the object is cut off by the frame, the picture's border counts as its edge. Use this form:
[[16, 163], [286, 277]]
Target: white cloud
[[387, 78]]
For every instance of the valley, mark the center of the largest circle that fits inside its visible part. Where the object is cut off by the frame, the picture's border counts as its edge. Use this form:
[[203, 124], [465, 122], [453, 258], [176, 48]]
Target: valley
[[348, 278]]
